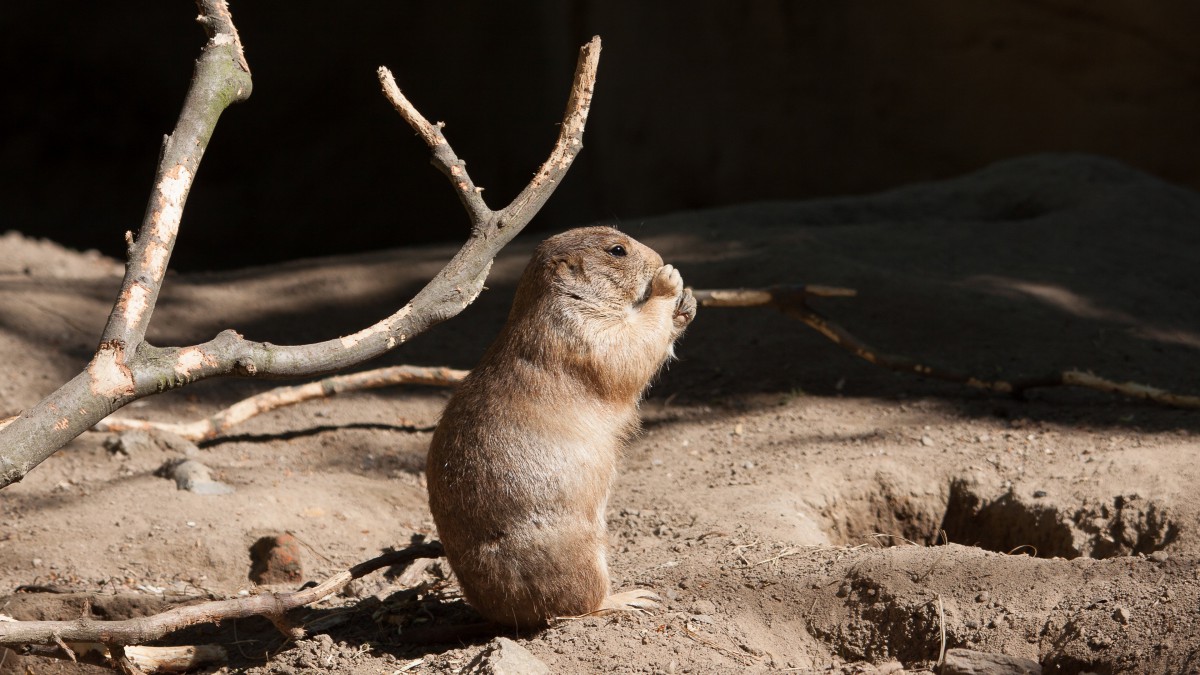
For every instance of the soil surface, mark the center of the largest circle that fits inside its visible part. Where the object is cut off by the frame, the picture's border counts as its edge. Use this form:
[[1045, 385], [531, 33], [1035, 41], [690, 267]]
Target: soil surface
[[790, 502]]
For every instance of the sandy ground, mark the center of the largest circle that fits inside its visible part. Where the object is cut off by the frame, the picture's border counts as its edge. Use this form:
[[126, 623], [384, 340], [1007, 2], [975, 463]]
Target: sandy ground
[[788, 501]]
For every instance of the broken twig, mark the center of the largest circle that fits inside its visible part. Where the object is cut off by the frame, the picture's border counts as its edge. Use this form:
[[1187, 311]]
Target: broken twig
[[791, 300], [220, 422], [136, 631]]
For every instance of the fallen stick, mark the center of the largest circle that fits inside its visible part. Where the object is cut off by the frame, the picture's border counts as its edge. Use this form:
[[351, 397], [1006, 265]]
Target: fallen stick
[[273, 606], [220, 422], [791, 300]]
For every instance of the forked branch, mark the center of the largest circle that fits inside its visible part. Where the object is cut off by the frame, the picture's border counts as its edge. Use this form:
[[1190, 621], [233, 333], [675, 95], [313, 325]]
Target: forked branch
[[125, 367]]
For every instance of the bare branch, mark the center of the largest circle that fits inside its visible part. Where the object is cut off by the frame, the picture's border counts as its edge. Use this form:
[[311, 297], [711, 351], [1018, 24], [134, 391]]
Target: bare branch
[[145, 629], [221, 78], [126, 368], [443, 155], [791, 301], [221, 421]]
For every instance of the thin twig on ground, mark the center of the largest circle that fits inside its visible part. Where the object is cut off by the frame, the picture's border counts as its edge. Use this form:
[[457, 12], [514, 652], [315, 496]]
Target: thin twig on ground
[[273, 606], [791, 300], [220, 422]]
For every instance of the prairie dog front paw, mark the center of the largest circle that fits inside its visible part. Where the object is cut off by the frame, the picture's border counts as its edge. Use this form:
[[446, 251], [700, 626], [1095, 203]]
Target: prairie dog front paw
[[668, 283], [685, 310]]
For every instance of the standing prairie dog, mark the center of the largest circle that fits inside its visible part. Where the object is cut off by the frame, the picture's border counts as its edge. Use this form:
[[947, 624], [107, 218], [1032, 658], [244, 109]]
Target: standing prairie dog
[[522, 460]]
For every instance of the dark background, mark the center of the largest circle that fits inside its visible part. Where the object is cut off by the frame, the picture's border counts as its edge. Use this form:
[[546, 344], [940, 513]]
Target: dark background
[[699, 103]]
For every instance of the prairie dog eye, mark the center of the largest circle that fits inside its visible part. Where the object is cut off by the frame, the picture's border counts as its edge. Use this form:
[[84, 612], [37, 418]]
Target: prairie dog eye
[[617, 251]]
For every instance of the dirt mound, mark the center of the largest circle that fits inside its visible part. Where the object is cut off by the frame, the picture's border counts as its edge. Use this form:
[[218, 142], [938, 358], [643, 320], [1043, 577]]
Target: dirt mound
[[790, 502]]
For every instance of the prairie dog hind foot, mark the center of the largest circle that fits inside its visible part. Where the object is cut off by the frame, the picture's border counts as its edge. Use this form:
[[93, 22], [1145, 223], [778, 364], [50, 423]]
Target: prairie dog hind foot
[[637, 601]]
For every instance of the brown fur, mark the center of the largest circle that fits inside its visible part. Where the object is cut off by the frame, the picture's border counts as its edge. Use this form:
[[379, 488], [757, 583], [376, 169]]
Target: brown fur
[[521, 463]]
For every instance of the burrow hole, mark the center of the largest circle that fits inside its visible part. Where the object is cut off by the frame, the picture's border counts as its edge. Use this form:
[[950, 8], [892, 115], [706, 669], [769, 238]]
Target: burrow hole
[[1008, 521]]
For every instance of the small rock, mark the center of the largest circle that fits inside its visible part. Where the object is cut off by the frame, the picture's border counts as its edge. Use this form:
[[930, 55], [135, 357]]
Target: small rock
[[1159, 556], [703, 607], [982, 597], [1038, 494], [193, 476], [970, 662], [1122, 615], [276, 560], [926, 441], [503, 656], [1099, 642]]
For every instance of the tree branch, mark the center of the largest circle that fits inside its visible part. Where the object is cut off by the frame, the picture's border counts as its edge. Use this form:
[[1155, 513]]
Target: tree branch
[[221, 78], [140, 630], [220, 422], [791, 300], [126, 368]]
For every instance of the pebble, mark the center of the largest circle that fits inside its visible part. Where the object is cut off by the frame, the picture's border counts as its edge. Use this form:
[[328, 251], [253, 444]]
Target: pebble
[[970, 662], [276, 560], [1122, 615], [1159, 556], [503, 656], [193, 476]]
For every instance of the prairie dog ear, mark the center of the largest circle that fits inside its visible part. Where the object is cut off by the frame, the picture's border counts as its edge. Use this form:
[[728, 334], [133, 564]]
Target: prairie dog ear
[[569, 266]]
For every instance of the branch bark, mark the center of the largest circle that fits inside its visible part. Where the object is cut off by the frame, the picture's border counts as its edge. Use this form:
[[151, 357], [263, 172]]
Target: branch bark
[[273, 606], [220, 422], [791, 300], [125, 367]]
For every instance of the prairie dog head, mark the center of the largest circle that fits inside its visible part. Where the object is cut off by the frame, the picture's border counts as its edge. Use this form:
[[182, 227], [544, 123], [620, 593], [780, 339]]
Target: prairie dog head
[[593, 269]]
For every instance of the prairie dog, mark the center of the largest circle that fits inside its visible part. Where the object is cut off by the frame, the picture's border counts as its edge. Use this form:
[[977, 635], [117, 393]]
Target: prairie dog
[[521, 463]]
